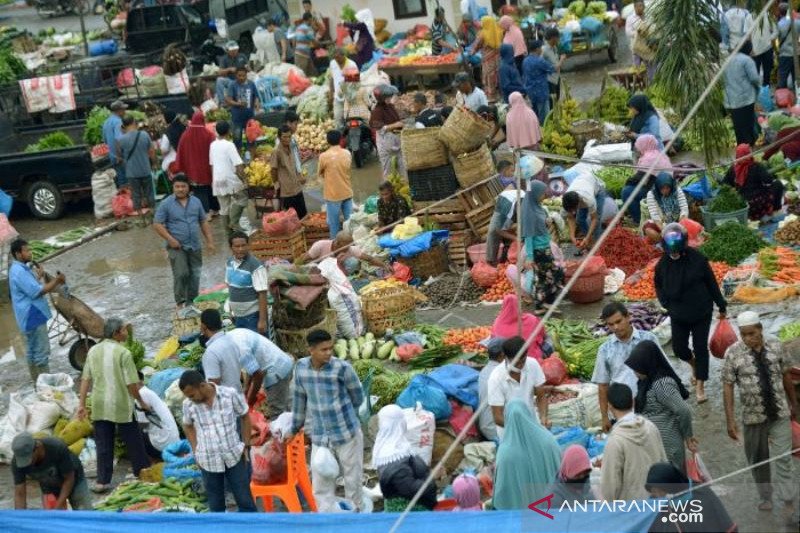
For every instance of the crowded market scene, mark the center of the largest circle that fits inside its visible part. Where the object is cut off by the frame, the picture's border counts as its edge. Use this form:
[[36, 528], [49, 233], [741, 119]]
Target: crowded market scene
[[535, 263]]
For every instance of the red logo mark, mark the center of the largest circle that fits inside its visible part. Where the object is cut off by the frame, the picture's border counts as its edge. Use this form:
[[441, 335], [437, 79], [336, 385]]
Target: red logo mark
[[533, 506]]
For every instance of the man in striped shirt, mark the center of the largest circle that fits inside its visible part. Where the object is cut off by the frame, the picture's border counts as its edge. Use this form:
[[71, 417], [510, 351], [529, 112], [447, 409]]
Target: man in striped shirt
[[303, 41], [439, 30], [327, 395]]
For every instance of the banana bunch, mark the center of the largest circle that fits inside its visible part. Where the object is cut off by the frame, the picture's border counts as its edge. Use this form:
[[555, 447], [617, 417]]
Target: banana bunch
[[559, 143], [258, 173], [400, 184]]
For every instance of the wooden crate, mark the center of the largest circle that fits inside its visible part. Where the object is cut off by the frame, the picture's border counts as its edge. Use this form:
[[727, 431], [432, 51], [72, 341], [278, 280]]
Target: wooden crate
[[290, 247], [448, 215], [479, 219], [314, 233], [457, 247], [480, 195]]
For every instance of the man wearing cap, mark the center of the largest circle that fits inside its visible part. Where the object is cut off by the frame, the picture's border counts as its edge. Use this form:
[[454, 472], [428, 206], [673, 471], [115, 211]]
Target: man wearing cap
[[112, 131], [760, 368], [468, 95], [227, 70], [58, 471], [385, 118]]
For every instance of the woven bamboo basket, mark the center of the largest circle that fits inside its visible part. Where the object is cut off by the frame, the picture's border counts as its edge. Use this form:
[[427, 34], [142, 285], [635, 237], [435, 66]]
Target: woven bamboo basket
[[431, 262], [474, 167], [422, 148], [186, 326], [294, 341], [395, 323], [464, 131], [584, 131]]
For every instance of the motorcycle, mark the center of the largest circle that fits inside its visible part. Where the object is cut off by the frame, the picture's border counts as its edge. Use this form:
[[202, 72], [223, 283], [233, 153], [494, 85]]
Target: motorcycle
[[358, 139], [55, 8]]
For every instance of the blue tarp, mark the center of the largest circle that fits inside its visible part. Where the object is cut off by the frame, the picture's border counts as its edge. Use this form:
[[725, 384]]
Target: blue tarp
[[414, 245], [464, 522], [458, 381]]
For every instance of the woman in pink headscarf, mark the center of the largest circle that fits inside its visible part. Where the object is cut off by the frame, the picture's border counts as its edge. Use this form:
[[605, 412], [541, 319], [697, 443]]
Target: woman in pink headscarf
[[505, 326], [515, 38], [467, 493], [650, 154], [522, 126], [572, 482]]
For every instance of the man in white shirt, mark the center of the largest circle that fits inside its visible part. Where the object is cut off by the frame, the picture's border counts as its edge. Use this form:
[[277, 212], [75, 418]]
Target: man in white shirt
[[632, 24], [468, 95], [584, 203], [339, 64], [524, 381], [161, 429], [738, 22], [496, 357], [227, 173], [763, 37]]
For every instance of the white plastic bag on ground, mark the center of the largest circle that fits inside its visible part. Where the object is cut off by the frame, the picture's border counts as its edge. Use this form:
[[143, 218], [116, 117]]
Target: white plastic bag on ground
[[420, 426], [343, 299], [13, 423], [583, 410], [103, 191], [88, 458], [324, 463], [42, 415], [58, 388], [613, 281]]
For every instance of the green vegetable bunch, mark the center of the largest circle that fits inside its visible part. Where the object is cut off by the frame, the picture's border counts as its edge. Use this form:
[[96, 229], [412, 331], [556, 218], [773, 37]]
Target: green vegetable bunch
[[731, 243], [11, 67], [215, 115], [137, 351], [51, 141], [789, 331], [348, 13], [577, 8], [612, 105], [614, 179], [727, 200], [93, 131], [41, 249], [434, 335]]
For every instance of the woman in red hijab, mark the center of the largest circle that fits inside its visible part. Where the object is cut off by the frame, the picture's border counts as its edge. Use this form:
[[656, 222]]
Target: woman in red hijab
[[505, 327], [764, 193], [193, 160], [572, 483]]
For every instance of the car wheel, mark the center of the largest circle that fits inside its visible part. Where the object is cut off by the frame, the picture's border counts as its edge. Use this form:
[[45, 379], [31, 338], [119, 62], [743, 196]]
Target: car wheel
[[78, 352], [45, 200]]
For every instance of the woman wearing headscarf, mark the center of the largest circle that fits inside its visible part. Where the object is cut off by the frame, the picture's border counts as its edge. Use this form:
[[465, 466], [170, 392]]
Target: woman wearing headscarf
[[385, 118], [652, 160], [362, 33], [522, 125], [513, 36], [666, 481], [528, 459], [193, 158], [572, 483], [468, 30], [509, 76], [507, 322], [488, 42], [467, 493], [742, 85], [764, 193], [666, 204], [171, 138], [644, 118], [661, 398], [538, 254], [787, 139], [401, 473], [686, 287]]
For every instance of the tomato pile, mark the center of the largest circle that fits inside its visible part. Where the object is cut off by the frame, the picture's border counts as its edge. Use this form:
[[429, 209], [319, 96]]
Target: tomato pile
[[467, 338], [625, 250], [500, 288], [643, 287]]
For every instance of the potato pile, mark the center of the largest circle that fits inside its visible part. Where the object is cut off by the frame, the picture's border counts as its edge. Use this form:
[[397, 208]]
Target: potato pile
[[312, 136]]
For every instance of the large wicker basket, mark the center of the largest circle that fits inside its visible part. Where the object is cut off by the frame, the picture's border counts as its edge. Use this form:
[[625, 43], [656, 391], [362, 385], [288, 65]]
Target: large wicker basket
[[584, 131], [464, 131], [294, 341], [431, 262], [422, 148], [474, 167], [389, 308]]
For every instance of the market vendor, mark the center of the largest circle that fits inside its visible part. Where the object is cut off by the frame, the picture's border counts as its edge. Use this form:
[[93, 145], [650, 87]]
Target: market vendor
[[426, 116], [584, 203], [505, 173], [467, 31], [666, 203], [337, 67], [501, 226], [787, 139], [347, 254], [498, 135], [248, 286], [287, 174], [112, 131], [764, 193], [232, 60], [439, 31], [644, 118], [242, 99], [469, 95], [391, 207], [362, 33], [386, 120]]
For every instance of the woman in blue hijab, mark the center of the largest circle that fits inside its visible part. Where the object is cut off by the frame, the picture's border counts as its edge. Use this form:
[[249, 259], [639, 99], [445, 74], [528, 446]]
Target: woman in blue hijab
[[510, 80]]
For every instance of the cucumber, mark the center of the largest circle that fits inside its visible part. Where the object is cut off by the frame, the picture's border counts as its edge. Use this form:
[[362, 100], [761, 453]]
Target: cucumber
[[385, 350], [354, 352], [393, 356], [368, 349], [361, 341]]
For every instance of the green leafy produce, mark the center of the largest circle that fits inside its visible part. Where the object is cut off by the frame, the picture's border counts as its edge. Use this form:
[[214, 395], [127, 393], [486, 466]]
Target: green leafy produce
[[576, 344], [789, 331], [363, 367], [577, 8], [727, 200], [52, 141], [173, 493], [93, 131], [612, 106], [348, 13], [215, 115], [73, 235], [434, 335], [731, 243], [11, 67], [388, 386], [137, 351], [41, 249], [191, 355], [614, 179], [598, 7], [435, 357]]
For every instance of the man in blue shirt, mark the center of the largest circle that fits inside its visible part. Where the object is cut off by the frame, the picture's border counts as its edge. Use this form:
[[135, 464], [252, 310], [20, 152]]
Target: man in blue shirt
[[30, 306], [112, 131], [243, 100], [535, 70], [227, 70], [179, 220]]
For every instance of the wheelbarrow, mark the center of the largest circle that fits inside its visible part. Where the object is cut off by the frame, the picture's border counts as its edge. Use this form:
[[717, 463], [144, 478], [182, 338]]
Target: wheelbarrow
[[74, 321]]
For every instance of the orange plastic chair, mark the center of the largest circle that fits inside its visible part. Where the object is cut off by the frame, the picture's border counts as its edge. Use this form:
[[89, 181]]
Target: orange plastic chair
[[296, 477]]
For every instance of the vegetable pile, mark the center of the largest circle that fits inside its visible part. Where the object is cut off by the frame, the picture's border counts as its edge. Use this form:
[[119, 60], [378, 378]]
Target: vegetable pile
[[434, 335], [727, 200], [215, 115], [169, 493], [51, 141], [780, 264], [313, 104], [731, 243], [612, 105], [137, 351], [435, 357], [366, 347], [789, 331], [556, 138], [501, 287], [576, 345], [641, 287], [614, 178], [93, 131], [313, 136], [41, 249], [789, 231], [468, 338], [449, 289], [627, 251], [258, 174], [11, 67], [644, 316]]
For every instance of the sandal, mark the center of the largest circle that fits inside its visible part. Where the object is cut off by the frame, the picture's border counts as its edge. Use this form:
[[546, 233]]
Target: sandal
[[765, 506], [99, 488]]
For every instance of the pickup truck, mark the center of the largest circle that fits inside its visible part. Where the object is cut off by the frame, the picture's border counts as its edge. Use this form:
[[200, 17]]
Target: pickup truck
[[46, 181]]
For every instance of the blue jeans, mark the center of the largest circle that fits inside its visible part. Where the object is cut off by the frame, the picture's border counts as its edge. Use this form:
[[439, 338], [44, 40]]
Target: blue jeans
[[247, 322], [38, 346], [333, 209], [237, 130], [785, 69], [222, 86], [120, 179], [634, 210], [542, 109], [238, 482], [583, 216]]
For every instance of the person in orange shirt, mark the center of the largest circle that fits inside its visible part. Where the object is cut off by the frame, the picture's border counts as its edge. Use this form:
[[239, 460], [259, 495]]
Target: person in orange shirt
[[337, 189]]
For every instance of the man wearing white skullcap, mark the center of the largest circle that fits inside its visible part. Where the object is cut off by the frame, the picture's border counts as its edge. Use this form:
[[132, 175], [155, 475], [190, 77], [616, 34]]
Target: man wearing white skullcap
[[760, 368]]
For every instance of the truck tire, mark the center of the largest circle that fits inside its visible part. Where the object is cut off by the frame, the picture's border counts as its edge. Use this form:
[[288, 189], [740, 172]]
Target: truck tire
[[45, 200]]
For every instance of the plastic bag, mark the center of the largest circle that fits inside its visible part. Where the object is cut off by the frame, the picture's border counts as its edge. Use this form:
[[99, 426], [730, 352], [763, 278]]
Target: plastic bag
[[407, 352], [420, 427], [343, 299], [324, 463], [555, 371], [483, 274], [122, 204], [371, 205], [7, 231], [126, 78], [401, 272], [42, 415], [784, 98], [693, 230], [430, 398], [459, 418], [178, 454], [103, 191], [12, 424], [796, 438], [7, 202], [696, 470], [259, 427], [59, 389], [269, 463], [297, 83], [253, 130], [723, 338], [765, 99], [280, 223], [88, 458], [177, 83]]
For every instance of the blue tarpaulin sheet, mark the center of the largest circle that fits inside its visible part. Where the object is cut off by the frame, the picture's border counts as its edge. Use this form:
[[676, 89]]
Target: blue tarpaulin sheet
[[414, 245], [441, 522], [458, 381]]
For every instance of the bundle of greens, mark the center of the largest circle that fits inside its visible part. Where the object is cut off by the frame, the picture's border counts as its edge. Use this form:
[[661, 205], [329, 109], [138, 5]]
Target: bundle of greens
[[11, 67], [727, 200], [612, 105], [614, 179], [137, 351], [731, 243], [348, 13], [93, 131], [52, 141]]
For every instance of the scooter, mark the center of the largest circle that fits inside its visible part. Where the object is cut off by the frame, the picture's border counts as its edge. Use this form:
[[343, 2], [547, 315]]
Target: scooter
[[55, 8], [359, 139]]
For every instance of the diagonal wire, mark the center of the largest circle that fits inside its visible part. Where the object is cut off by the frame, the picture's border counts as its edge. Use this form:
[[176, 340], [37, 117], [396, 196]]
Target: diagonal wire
[[581, 267]]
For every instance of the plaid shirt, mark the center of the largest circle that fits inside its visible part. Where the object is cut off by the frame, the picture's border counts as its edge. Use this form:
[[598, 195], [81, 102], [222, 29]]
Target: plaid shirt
[[219, 443], [329, 398]]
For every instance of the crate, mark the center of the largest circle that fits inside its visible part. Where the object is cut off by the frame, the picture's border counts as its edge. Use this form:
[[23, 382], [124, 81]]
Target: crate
[[449, 214], [712, 220], [432, 184], [290, 247], [480, 195], [314, 233], [479, 220], [293, 341], [458, 243]]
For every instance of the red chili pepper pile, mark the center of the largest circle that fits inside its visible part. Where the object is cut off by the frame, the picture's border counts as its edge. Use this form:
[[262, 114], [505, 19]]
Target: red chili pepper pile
[[625, 250]]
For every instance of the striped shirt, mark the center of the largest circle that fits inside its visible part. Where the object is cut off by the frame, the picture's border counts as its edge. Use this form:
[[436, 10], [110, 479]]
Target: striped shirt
[[658, 215], [437, 34], [245, 279], [666, 408], [219, 443], [326, 401], [110, 367], [303, 37]]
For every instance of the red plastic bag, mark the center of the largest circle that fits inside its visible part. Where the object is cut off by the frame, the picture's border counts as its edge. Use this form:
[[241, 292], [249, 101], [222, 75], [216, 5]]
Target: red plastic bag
[[459, 418], [122, 204], [693, 230], [555, 371], [253, 130], [342, 33], [784, 98], [297, 82], [259, 427], [126, 78], [696, 470], [269, 463], [483, 274], [407, 352], [723, 338], [280, 223], [401, 272], [796, 438]]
